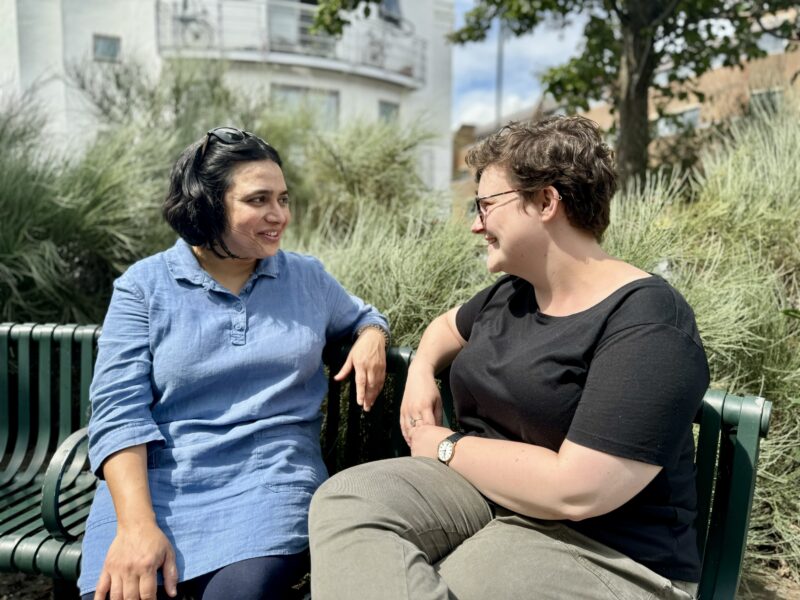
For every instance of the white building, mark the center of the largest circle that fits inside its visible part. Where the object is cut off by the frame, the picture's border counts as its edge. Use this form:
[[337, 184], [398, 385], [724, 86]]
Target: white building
[[393, 64]]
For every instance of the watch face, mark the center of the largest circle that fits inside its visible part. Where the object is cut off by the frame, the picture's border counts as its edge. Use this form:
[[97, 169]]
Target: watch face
[[445, 451]]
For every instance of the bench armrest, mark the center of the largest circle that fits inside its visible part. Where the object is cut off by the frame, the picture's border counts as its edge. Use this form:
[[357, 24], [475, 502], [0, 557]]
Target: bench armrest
[[65, 466]]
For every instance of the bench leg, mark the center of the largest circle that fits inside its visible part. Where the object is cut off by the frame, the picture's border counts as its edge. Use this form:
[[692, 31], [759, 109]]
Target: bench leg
[[65, 590]]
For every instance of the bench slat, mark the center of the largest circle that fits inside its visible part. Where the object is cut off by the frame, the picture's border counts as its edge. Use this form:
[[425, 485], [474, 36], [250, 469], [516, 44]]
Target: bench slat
[[22, 333], [64, 336], [5, 401]]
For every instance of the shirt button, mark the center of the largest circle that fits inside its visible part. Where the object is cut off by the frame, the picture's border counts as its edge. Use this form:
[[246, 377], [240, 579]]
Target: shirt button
[[238, 327], [239, 307]]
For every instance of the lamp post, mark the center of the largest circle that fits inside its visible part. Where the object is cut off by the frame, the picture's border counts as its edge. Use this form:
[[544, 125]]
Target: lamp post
[[498, 108]]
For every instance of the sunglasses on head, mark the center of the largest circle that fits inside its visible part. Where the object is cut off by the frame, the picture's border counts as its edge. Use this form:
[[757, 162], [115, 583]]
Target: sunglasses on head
[[226, 135]]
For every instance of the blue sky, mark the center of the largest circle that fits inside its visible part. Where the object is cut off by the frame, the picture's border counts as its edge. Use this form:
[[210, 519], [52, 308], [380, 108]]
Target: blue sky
[[524, 58]]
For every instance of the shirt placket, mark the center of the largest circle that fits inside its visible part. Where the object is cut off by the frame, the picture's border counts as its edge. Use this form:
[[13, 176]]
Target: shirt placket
[[239, 316], [239, 322]]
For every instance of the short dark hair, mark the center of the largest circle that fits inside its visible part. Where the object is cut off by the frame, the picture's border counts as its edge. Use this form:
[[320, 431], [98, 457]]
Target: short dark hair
[[567, 153], [195, 203]]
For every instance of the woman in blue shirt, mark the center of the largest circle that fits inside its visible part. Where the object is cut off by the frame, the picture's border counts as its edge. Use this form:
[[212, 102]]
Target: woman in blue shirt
[[207, 390]]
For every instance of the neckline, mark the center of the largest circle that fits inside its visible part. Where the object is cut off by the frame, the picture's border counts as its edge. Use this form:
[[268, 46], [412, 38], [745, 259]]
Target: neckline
[[636, 282]]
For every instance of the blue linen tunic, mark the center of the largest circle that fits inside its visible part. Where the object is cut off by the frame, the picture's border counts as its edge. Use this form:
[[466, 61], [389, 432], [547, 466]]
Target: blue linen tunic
[[225, 391]]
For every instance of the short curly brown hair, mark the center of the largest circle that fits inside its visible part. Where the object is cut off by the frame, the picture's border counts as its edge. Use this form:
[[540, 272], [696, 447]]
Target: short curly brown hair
[[567, 153]]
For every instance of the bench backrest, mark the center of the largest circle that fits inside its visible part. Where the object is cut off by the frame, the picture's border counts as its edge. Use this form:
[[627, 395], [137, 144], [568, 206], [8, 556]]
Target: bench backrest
[[45, 373], [46, 370]]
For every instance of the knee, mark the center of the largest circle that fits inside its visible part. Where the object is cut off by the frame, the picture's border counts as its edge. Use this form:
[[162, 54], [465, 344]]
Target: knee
[[325, 495], [332, 511], [340, 490], [356, 494]]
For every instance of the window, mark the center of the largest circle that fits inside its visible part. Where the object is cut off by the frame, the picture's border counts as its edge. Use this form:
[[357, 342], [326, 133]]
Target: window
[[106, 48], [766, 100], [389, 11], [675, 123], [388, 112], [323, 103]]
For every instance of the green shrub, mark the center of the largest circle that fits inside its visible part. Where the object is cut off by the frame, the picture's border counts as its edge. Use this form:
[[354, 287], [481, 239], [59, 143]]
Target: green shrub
[[373, 161], [732, 250], [411, 268]]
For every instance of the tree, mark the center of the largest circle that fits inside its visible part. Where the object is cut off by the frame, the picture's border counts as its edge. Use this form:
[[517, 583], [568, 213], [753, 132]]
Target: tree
[[626, 42]]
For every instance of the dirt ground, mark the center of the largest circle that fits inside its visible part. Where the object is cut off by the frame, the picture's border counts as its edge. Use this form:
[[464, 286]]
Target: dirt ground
[[14, 586]]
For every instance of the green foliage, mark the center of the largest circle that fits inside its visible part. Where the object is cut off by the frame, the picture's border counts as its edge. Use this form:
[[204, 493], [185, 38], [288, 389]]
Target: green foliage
[[411, 267], [581, 78], [68, 229], [624, 44], [733, 252], [71, 226], [374, 161], [683, 35]]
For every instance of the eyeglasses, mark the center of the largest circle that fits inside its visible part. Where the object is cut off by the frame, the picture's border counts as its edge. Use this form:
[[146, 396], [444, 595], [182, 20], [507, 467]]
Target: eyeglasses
[[226, 135], [483, 210]]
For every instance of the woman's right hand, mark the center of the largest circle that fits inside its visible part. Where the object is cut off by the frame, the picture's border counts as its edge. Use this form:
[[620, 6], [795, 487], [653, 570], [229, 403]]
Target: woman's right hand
[[422, 401], [135, 555]]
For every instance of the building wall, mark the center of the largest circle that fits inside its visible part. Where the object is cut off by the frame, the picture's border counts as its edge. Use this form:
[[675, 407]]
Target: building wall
[[56, 34], [9, 49], [358, 98], [40, 48], [430, 106]]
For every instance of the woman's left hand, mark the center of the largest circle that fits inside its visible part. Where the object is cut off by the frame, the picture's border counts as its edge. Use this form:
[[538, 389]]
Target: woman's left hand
[[425, 439], [368, 357]]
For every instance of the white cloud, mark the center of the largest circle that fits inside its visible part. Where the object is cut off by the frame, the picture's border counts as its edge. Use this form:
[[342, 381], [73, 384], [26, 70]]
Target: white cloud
[[479, 107], [524, 59]]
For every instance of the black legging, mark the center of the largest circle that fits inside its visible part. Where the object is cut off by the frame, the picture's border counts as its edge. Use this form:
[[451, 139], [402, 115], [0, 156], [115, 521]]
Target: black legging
[[263, 578]]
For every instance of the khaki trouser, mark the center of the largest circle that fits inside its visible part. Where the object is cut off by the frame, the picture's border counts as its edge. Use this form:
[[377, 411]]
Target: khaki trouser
[[411, 528]]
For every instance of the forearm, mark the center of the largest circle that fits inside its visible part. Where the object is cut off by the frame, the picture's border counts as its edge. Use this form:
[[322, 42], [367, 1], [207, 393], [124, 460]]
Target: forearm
[[521, 477], [439, 345], [126, 475], [574, 483]]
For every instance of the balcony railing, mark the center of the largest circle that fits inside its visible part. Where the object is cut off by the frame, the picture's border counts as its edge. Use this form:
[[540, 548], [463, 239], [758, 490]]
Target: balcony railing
[[278, 31]]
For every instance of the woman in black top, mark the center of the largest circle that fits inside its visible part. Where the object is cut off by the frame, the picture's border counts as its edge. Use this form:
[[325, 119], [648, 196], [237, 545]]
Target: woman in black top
[[575, 379]]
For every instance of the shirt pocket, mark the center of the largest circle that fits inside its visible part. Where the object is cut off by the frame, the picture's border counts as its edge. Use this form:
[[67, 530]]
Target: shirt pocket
[[286, 461]]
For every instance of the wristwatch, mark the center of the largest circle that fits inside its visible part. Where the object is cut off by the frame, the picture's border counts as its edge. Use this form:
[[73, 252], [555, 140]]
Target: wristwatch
[[447, 448]]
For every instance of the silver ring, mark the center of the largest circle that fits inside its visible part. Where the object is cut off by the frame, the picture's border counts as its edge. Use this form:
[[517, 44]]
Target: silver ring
[[413, 421]]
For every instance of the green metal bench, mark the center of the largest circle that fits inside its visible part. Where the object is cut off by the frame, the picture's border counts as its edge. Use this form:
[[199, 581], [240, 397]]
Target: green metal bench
[[46, 488]]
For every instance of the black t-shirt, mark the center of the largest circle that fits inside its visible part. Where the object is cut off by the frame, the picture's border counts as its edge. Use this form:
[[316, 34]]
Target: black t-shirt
[[625, 377]]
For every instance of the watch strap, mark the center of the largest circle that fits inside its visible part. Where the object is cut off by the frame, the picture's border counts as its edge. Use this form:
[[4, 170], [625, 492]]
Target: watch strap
[[453, 439]]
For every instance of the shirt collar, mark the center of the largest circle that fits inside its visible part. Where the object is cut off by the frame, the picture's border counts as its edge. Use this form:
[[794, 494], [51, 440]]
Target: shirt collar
[[183, 264]]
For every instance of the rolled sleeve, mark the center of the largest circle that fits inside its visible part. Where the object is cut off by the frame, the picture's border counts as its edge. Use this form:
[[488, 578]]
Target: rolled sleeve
[[121, 391], [349, 313]]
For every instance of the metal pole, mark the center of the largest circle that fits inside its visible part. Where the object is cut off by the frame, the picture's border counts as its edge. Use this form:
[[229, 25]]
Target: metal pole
[[498, 109]]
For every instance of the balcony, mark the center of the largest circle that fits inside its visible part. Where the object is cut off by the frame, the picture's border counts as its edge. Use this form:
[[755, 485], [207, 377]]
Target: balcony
[[277, 32]]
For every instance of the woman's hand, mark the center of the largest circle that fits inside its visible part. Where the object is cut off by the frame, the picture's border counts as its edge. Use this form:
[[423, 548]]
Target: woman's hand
[[133, 559], [422, 401], [368, 357], [425, 439]]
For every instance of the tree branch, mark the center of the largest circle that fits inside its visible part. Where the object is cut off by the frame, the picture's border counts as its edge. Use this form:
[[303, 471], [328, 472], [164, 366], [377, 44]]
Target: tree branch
[[622, 16], [670, 8]]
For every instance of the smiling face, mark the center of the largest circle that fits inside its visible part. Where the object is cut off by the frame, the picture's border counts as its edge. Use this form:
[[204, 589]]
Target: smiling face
[[508, 226], [257, 209]]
